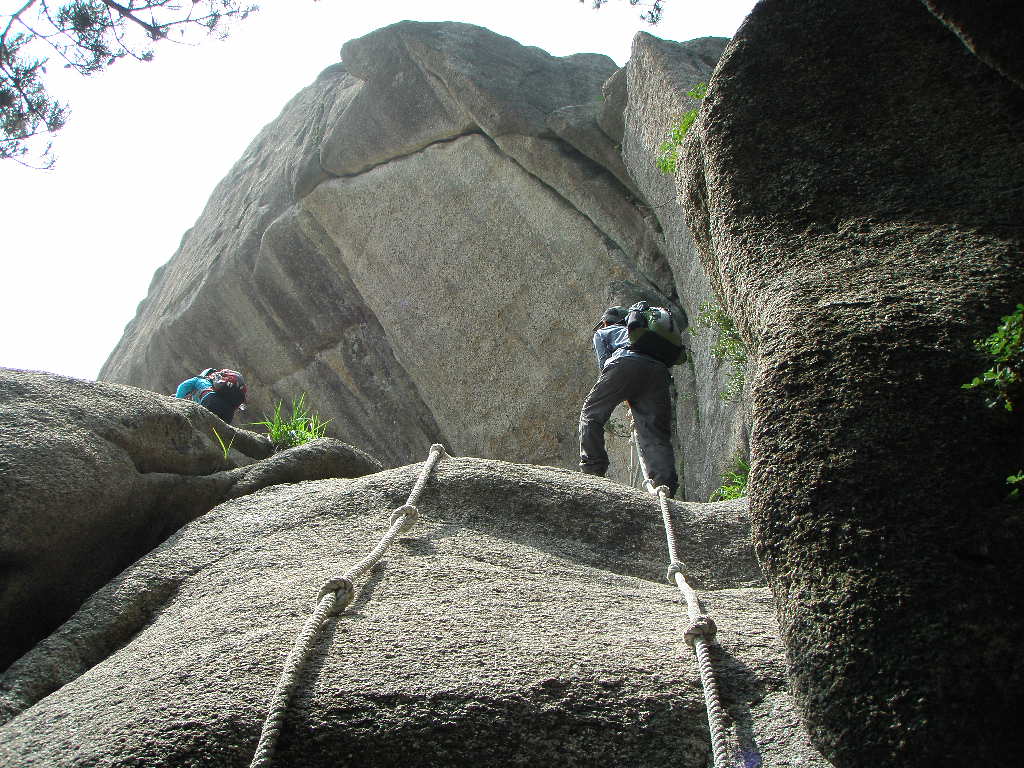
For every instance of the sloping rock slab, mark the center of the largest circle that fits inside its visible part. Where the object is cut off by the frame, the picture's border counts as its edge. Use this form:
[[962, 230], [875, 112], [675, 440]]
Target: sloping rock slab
[[856, 189], [95, 475], [524, 620]]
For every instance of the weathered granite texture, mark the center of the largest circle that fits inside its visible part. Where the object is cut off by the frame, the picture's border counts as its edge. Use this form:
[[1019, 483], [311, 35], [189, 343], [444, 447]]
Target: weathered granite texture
[[421, 242], [525, 620], [710, 431], [855, 186], [94, 475]]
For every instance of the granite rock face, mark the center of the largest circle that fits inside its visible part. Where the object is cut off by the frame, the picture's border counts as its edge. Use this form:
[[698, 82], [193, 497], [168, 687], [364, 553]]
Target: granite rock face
[[710, 430], [422, 243], [861, 219], [257, 286], [95, 475], [525, 614]]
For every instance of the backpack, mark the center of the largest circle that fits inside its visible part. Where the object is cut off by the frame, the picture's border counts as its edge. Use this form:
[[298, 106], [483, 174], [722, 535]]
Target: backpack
[[230, 385], [652, 331]]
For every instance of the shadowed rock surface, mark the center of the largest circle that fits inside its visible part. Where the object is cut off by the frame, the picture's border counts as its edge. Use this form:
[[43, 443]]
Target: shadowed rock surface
[[524, 620], [991, 30], [856, 187], [95, 475], [421, 242]]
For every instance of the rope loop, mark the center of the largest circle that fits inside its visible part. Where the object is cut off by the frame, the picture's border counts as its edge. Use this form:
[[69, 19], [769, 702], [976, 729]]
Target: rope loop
[[438, 449], [704, 627], [408, 514], [345, 592], [661, 490]]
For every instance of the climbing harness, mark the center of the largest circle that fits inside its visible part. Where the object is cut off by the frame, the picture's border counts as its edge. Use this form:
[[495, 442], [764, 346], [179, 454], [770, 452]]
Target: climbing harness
[[334, 597], [701, 630]]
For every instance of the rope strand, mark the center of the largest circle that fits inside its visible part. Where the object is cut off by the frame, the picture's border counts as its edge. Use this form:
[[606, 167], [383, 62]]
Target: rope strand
[[701, 630], [338, 592], [335, 595]]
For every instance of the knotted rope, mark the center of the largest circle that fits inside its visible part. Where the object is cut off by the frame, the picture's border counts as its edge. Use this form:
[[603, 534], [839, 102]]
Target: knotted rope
[[334, 597], [701, 630]]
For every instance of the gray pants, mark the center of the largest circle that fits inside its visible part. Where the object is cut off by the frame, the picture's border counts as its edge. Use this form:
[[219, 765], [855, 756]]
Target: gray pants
[[643, 383]]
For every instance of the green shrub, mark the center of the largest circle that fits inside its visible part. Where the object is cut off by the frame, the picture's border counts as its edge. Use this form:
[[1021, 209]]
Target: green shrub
[[734, 481], [301, 427], [668, 153], [1016, 483], [727, 346], [1003, 382]]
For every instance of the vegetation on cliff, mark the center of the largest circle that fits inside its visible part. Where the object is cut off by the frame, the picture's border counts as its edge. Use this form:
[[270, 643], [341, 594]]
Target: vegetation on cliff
[[727, 346], [734, 480], [1003, 381], [668, 152], [302, 426]]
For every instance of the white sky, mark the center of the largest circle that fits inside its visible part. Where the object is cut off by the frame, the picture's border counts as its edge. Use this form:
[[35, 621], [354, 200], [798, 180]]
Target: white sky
[[147, 143]]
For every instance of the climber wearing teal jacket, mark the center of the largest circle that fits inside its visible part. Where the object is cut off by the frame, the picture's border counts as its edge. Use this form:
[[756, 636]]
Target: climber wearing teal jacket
[[219, 391], [194, 387], [643, 382]]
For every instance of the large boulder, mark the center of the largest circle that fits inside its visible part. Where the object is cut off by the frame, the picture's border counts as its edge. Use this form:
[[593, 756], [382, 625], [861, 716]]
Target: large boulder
[[421, 242], [711, 430], [412, 246], [525, 619], [855, 188], [94, 475]]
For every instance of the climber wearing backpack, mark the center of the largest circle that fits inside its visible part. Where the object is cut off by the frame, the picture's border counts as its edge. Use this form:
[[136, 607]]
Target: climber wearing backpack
[[634, 349], [218, 390]]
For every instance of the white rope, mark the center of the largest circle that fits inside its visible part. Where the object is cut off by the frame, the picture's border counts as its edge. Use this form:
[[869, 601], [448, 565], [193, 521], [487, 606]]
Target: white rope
[[701, 630], [634, 453], [334, 597]]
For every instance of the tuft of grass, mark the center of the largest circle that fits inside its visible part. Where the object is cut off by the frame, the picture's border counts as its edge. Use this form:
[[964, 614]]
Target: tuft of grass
[[302, 426], [667, 159], [226, 448], [734, 481], [1016, 483]]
